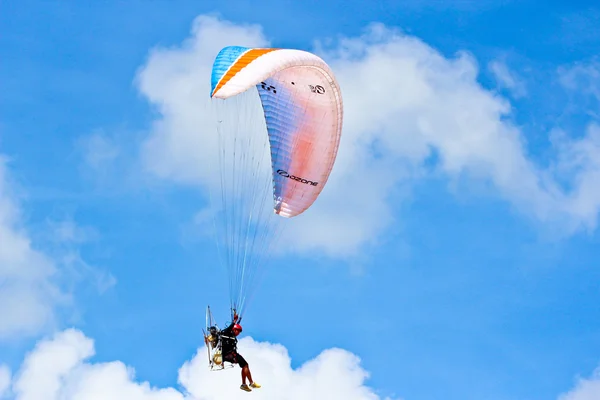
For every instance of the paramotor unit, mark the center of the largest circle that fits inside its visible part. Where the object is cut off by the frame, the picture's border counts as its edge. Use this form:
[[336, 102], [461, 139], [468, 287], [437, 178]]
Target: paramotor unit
[[212, 339]]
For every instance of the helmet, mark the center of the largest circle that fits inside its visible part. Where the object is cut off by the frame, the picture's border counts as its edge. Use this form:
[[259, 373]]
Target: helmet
[[237, 327]]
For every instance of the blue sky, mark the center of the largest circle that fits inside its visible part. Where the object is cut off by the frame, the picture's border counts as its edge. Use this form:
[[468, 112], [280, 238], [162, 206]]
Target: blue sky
[[473, 272]]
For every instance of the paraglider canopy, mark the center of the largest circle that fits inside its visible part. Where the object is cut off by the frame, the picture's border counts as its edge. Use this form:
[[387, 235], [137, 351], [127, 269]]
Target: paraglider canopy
[[288, 153]]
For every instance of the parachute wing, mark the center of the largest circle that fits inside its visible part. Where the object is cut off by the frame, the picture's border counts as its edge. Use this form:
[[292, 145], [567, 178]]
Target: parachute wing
[[303, 107], [279, 122]]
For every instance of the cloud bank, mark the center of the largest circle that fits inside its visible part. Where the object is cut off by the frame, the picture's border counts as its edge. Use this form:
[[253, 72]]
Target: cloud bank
[[59, 368], [409, 111]]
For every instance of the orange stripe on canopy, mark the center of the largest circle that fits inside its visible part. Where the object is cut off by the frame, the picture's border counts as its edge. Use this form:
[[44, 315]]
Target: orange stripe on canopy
[[242, 62]]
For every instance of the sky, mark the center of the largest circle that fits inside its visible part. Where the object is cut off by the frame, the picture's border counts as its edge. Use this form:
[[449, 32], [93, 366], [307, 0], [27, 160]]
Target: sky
[[452, 254]]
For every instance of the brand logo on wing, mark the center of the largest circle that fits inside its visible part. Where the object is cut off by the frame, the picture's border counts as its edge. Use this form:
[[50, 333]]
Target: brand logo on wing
[[317, 89], [296, 178]]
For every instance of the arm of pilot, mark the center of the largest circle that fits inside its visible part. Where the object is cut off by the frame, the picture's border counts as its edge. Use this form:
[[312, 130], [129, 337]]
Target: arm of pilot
[[229, 330]]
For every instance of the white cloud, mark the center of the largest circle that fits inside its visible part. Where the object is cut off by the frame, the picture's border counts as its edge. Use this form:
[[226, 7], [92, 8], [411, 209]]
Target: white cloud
[[58, 368], [582, 81], [107, 163], [176, 81], [579, 160], [334, 374], [78, 271], [584, 77], [404, 104], [68, 231], [46, 367], [67, 235], [507, 79], [28, 293], [585, 389], [99, 150], [34, 284], [5, 378]]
